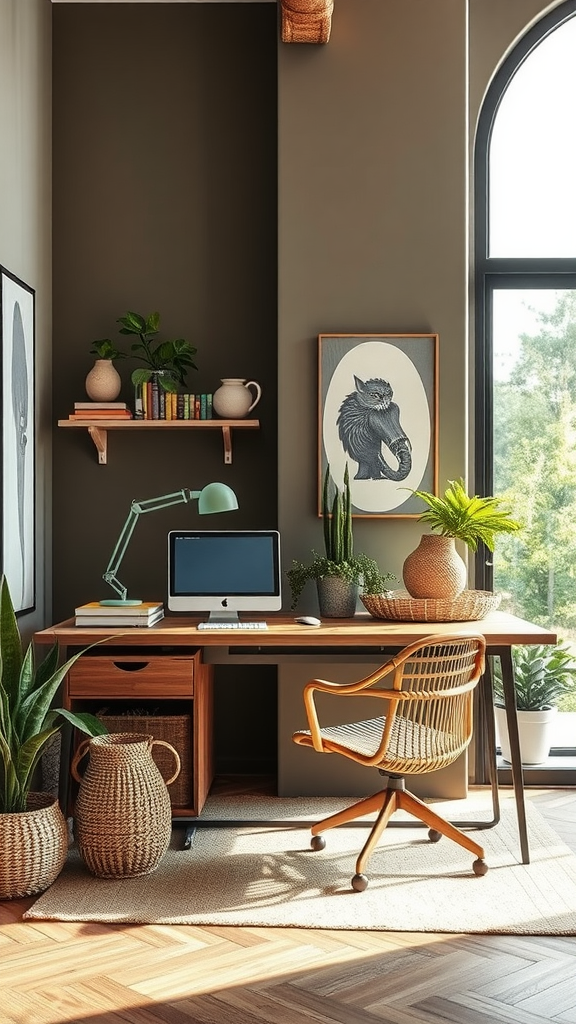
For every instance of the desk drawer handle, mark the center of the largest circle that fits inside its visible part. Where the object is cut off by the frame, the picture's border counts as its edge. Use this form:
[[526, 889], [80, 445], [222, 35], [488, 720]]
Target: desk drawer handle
[[130, 666]]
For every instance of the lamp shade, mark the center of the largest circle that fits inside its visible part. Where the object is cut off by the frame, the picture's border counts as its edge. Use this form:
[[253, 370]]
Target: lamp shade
[[216, 497]]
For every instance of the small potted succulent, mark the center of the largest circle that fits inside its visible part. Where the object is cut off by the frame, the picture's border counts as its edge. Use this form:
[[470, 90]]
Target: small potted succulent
[[542, 675], [103, 382], [435, 569], [339, 573]]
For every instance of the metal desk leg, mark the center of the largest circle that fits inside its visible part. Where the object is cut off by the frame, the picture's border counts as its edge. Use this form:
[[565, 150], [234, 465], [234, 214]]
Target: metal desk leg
[[505, 655]]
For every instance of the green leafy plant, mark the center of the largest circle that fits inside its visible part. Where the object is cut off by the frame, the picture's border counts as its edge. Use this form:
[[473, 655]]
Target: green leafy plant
[[172, 357], [542, 675], [470, 519], [339, 558], [106, 349], [27, 720]]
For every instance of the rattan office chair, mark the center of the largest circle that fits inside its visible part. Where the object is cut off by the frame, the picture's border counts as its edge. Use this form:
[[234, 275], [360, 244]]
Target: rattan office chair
[[427, 724]]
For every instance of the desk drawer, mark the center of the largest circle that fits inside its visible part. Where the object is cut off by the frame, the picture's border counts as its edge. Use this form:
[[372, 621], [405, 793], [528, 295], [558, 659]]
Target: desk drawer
[[132, 675]]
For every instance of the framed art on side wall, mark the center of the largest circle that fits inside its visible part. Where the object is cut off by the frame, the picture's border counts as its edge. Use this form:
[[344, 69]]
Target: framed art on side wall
[[18, 440], [378, 413]]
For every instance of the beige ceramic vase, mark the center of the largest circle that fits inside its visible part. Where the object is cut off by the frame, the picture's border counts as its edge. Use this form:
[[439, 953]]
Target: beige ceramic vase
[[434, 569], [103, 383]]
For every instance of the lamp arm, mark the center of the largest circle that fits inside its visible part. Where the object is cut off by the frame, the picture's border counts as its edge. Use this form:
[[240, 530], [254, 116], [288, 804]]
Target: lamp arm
[[138, 508]]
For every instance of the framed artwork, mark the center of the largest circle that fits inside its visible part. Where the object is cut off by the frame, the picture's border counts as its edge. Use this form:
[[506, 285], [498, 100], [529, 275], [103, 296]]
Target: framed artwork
[[18, 440], [378, 413]]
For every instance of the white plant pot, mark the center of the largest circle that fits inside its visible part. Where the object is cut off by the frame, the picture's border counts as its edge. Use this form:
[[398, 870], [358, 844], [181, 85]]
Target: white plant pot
[[535, 730]]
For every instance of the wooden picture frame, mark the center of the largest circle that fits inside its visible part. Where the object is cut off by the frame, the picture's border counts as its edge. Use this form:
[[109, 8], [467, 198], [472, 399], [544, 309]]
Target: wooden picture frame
[[18, 525], [356, 422]]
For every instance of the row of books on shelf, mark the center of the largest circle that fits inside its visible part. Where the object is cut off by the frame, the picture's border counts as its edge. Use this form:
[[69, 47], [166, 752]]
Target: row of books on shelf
[[147, 613], [153, 403]]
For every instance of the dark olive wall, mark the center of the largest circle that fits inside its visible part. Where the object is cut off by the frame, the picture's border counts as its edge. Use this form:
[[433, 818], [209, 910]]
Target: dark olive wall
[[164, 144], [165, 172]]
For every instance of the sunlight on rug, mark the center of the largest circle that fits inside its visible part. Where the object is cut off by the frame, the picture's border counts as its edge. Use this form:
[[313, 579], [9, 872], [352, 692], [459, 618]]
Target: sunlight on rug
[[262, 876]]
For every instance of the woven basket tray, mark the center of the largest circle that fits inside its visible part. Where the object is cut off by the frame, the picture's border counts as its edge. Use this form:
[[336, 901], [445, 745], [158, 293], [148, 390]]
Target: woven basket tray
[[470, 604], [175, 729]]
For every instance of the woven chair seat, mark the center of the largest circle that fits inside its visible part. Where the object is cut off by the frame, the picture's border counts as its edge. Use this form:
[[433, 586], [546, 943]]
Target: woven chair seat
[[409, 741]]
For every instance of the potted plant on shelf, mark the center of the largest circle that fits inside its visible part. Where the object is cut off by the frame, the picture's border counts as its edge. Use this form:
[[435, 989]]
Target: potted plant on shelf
[[435, 569], [168, 361], [339, 573], [33, 832], [542, 674], [103, 382]]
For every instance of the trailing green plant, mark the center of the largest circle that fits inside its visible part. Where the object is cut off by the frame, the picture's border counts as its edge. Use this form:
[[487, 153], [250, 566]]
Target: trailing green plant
[[542, 674], [27, 720], [339, 558], [172, 357], [470, 519], [106, 349]]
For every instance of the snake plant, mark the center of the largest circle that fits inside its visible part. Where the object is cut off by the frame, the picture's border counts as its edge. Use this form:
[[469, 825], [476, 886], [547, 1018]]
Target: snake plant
[[339, 558], [27, 720]]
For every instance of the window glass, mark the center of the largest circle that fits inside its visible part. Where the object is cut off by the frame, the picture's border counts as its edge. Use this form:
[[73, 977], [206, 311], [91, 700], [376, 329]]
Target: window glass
[[532, 155]]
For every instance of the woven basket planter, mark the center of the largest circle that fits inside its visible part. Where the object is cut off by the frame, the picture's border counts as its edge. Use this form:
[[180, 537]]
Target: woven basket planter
[[33, 847], [122, 815]]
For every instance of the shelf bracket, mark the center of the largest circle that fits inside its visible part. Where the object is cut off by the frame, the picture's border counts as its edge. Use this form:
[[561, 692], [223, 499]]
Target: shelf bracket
[[100, 438], [227, 445]]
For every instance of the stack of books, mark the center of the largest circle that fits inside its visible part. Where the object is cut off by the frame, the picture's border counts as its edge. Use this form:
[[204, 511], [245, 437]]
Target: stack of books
[[100, 411], [96, 614]]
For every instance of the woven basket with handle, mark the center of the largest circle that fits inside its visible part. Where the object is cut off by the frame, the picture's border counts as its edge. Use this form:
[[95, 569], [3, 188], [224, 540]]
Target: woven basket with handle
[[122, 815]]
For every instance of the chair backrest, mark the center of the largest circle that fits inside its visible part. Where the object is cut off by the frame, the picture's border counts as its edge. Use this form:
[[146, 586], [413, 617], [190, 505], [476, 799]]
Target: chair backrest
[[430, 720]]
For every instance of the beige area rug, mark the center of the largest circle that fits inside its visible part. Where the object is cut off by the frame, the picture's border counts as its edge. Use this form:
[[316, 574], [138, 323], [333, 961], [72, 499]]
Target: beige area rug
[[260, 876]]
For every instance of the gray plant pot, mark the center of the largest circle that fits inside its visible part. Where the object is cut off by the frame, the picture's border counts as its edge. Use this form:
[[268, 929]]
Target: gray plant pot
[[337, 598]]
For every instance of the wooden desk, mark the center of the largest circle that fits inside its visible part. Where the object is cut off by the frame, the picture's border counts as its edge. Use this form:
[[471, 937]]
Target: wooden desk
[[364, 634]]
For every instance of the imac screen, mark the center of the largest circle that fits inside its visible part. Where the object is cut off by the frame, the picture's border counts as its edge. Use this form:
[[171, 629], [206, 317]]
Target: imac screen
[[224, 571]]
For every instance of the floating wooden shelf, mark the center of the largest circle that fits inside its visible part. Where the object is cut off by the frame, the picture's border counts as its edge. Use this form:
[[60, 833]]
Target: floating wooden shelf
[[98, 430]]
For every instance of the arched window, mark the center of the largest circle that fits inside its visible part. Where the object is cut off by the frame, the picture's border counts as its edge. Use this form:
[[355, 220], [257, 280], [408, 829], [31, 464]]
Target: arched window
[[525, 265]]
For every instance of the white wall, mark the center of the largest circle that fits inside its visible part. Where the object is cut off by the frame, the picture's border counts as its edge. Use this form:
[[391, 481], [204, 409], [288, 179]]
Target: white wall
[[25, 227]]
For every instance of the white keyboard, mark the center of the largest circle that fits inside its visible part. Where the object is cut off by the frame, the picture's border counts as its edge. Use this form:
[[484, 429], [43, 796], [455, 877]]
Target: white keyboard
[[233, 625]]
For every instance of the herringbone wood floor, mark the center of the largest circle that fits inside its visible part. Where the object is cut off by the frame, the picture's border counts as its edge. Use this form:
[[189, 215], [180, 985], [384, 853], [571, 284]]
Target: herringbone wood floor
[[51, 972]]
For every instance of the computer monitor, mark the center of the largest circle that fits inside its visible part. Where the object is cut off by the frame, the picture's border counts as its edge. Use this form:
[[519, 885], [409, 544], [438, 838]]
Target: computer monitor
[[223, 572]]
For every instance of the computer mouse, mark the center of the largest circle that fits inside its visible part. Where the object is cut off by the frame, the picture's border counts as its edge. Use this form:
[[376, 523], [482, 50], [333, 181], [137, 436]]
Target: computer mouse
[[308, 620]]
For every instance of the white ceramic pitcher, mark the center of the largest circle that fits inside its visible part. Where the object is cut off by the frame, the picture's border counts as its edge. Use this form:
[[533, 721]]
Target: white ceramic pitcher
[[233, 400]]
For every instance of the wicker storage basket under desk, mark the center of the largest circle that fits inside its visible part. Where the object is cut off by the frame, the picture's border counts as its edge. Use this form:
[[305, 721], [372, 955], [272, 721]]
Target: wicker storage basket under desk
[[175, 729]]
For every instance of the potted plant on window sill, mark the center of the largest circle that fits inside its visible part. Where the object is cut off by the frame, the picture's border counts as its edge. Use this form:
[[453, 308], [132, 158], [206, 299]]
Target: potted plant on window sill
[[339, 573], [33, 831], [435, 569], [542, 674]]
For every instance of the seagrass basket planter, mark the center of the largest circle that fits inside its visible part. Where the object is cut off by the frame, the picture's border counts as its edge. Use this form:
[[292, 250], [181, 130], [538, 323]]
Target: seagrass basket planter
[[33, 847], [122, 814]]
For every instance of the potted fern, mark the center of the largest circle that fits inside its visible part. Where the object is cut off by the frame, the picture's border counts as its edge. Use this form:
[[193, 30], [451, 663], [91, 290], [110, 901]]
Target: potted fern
[[435, 569], [542, 675], [33, 832], [339, 573]]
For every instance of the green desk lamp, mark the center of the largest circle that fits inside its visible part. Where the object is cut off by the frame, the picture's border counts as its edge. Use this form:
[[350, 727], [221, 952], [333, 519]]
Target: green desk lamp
[[214, 497]]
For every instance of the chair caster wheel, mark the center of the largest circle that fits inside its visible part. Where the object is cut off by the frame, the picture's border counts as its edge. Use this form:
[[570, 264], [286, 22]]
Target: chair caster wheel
[[359, 883], [318, 842], [480, 867], [434, 835]]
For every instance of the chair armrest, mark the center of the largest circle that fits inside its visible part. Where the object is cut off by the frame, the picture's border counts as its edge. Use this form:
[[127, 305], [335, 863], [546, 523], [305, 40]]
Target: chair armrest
[[342, 690]]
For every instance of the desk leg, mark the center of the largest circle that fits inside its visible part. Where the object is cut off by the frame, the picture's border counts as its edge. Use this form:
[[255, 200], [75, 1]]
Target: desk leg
[[505, 655]]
